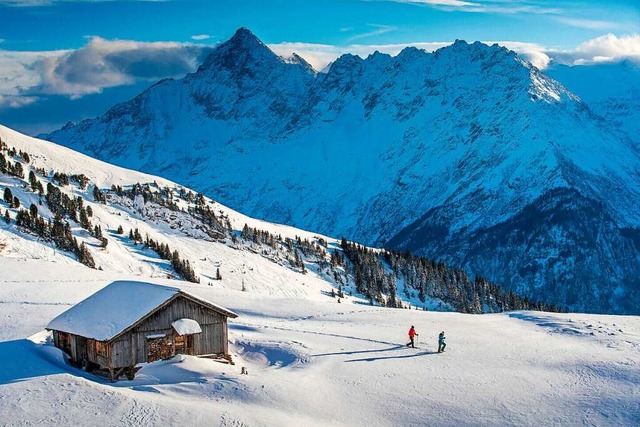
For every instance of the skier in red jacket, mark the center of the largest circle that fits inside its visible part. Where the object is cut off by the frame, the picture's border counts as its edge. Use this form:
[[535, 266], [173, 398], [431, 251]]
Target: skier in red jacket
[[412, 334]]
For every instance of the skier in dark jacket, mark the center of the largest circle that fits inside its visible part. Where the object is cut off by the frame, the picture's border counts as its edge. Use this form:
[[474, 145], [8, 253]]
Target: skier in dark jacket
[[441, 343], [412, 334]]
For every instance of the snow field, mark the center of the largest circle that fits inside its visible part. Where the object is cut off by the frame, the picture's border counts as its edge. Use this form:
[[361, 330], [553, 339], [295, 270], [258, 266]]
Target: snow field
[[317, 362]]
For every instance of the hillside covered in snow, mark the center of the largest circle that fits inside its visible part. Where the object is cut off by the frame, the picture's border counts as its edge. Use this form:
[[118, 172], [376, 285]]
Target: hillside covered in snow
[[317, 349], [314, 362], [468, 154], [59, 204]]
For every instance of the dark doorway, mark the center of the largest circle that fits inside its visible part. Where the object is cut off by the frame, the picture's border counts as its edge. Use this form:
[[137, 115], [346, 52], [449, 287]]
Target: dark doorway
[[184, 344]]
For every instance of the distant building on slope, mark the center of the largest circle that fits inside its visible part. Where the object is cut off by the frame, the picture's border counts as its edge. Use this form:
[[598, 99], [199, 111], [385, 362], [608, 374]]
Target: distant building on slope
[[127, 323]]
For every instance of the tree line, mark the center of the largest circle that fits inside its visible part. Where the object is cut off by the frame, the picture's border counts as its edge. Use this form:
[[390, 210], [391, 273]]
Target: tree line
[[181, 266], [377, 272]]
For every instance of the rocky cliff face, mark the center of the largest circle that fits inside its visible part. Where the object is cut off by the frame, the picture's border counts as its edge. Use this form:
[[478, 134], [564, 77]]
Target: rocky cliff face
[[469, 154]]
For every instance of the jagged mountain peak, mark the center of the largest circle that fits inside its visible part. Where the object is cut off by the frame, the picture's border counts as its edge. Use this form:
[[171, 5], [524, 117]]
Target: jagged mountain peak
[[475, 52], [243, 38], [242, 50], [298, 60], [379, 56], [410, 52], [345, 61]]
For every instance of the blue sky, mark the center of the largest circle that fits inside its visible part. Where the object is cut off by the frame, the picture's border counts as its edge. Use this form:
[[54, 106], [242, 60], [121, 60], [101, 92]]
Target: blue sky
[[66, 60]]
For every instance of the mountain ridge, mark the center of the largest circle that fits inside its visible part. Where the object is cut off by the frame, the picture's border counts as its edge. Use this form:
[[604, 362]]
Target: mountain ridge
[[471, 131]]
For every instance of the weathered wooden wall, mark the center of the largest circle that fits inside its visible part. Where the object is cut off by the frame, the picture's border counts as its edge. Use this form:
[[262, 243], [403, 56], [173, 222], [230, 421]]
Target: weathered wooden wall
[[131, 348]]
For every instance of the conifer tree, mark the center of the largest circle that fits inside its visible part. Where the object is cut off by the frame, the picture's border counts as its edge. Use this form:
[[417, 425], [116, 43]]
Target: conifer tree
[[84, 220], [18, 171], [97, 232], [8, 196], [85, 256], [33, 182]]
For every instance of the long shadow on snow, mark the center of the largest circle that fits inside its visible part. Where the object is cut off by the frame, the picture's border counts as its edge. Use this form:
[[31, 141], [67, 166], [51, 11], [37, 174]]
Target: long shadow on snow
[[557, 325], [237, 327], [21, 361], [397, 347], [405, 356], [274, 355], [327, 334]]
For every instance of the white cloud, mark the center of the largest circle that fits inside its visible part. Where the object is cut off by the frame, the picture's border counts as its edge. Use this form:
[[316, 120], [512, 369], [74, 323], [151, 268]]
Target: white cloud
[[201, 37], [452, 3], [607, 48], [35, 3], [507, 7], [18, 75], [98, 65], [25, 3], [589, 24], [379, 29], [108, 63], [13, 101]]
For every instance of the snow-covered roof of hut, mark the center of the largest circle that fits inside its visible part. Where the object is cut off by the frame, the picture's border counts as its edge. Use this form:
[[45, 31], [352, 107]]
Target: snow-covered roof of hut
[[118, 306]]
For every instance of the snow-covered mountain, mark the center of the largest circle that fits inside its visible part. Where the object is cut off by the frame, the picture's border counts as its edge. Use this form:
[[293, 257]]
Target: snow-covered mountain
[[203, 240], [469, 154], [611, 89], [63, 206], [309, 356]]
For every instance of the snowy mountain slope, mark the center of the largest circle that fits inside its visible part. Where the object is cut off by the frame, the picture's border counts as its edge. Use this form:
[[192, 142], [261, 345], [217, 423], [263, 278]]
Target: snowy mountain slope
[[238, 264], [311, 360], [155, 228], [318, 363], [564, 242], [611, 89], [470, 133]]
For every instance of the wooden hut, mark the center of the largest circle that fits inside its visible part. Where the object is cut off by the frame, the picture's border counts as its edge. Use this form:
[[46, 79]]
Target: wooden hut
[[127, 323]]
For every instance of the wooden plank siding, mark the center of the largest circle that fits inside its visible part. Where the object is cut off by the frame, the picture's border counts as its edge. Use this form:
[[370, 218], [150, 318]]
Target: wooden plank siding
[[131, 345], [130, 348]]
